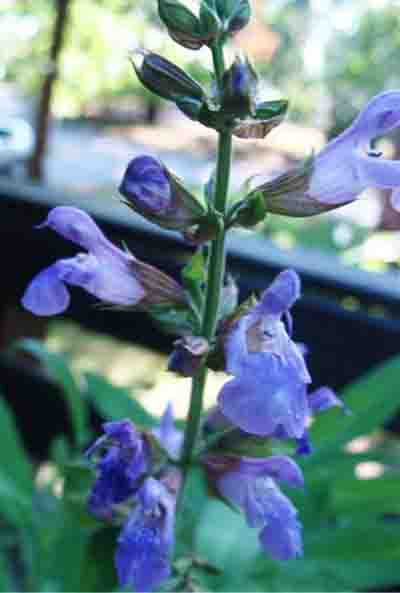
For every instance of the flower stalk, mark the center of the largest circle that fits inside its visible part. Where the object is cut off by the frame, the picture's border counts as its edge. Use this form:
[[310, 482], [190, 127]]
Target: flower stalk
[[216, 271]]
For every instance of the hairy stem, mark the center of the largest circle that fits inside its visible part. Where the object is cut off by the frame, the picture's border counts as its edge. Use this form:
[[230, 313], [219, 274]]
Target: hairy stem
[[216, 270]]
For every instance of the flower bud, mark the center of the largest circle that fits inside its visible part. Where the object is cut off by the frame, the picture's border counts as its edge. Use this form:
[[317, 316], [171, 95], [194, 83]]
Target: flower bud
[[267, 116], [234, 14], [153, 191], [239, 89], [188, 355], [288, 194], [165, 79], [189, 23], [251, 211]]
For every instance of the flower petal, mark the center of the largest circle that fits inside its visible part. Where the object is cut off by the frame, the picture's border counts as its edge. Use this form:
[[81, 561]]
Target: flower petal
[[378, 117], [167, 435], [395, 199], [282, 538], [379, 172], [322, 399], [279, 467], [266, 396], [146, 541], [77, 226], [47, 294], [108, 278], [281, 294]]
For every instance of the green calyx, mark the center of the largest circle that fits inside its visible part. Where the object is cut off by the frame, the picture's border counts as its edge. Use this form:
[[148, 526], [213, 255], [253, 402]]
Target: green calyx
[[194, 23], [234, 15], [189, 23], [165, 79]]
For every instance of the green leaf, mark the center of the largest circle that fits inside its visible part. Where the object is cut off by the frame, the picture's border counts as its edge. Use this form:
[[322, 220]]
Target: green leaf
[[115, 403], [270, 109], [194, 276], [59, 371], [378, 495], [78, 480], [371, 400], [63, 546], [5, 576], [98, 571], [175, 321], [16, 474]]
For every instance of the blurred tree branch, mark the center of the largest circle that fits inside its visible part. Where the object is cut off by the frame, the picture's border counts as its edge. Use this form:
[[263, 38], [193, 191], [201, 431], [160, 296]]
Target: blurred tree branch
[[44, 107]]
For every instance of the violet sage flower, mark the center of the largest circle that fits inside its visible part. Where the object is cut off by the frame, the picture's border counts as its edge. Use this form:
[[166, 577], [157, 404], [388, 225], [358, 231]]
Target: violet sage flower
[[154, 192], [145, 545], [250, 484], [112, 275], [169, 437], [123, 457], [269, 388], [343, 169]]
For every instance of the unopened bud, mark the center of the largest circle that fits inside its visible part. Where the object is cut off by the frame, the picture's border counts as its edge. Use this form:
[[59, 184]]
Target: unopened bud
[[165, 79], [234, 14], [188, 355], [153, 191], [239, 89], [189, 22], [267, 116]]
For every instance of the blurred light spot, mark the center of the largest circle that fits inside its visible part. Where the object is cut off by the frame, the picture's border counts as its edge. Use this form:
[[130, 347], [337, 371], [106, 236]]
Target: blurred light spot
[[350, 303], [284, 239], [47, 477], [369, 470], [343, 234], [359, 445]]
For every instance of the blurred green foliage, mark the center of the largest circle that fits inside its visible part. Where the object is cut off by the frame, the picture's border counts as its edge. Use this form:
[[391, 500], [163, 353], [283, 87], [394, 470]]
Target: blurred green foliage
[[363, 61], [359, 57], [351, 525]]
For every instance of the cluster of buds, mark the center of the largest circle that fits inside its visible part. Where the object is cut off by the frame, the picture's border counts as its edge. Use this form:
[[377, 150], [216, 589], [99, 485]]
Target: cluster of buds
[[193, 23]]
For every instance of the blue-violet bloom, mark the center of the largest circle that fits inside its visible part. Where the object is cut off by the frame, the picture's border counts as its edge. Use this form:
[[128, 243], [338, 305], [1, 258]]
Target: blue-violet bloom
[[123, 458], [169, 437], [112, 275], [104, 271], [343, 169], [146, 542], [250, 484], [269, 388], [347, 166]]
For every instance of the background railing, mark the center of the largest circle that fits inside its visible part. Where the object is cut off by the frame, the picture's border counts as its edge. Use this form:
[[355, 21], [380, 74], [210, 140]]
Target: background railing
[[343, 343]]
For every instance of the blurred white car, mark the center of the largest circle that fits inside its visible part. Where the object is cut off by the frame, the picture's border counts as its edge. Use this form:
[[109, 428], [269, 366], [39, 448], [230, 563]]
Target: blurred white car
[[16, 143]]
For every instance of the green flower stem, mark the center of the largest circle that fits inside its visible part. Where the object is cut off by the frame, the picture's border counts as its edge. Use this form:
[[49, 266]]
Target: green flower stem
[[216, 270]]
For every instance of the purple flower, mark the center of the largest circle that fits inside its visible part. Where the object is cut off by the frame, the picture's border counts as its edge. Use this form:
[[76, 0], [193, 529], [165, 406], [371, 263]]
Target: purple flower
[[342, 170], [123, 460], [153, 191], [146, 542], [112, 275], [323, 399], [250, 485], [105, 271], [269, 388], [167, 435], [347, 166], [146, 183]]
